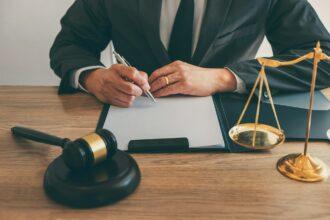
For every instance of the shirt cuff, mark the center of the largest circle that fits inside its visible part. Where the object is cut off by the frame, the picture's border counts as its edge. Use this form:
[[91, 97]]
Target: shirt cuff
[[240, 84], [74, 81]]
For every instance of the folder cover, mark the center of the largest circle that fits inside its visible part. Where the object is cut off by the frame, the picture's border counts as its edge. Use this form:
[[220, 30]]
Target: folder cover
[[228, 108], [293, 120]]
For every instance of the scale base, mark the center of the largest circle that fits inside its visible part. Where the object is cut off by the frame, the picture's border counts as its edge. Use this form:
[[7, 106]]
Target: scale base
[[106, 183], [267, 137], [303, 168]]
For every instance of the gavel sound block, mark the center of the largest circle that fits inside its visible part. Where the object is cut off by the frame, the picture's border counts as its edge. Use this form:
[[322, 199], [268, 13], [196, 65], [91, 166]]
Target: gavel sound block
[[90, 172]]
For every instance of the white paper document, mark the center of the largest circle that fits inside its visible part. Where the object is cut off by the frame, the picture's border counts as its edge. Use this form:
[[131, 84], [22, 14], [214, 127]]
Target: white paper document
[[172, 117]]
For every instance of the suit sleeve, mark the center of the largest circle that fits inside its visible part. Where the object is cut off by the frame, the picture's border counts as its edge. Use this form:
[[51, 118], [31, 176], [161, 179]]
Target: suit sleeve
[[85, 33], [293, 29]]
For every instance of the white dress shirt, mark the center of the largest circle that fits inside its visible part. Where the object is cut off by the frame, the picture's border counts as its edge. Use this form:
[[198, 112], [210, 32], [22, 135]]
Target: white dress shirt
[[167, 17]]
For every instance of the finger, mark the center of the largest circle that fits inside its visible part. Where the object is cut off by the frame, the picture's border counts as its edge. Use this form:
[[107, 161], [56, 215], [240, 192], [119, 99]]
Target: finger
[[103, 94], [163, 71], [132, 74], [114, 101], [118, 95], [162, 82], [125, 98], [111, 93], [173, 89], [146, 87], [122, 104], [145, 76], [102, 98], [118, 103], [116, 81], [128, 88]]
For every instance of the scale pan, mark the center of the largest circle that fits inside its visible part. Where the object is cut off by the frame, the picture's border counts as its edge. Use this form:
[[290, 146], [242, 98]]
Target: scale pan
[[267, 137]]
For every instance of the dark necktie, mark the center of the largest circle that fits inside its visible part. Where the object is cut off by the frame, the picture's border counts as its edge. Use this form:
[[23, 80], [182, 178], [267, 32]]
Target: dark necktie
[[180, 45]]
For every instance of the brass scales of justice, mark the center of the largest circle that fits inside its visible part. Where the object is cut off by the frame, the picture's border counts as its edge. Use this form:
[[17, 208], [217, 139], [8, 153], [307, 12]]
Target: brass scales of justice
[[257, 136]]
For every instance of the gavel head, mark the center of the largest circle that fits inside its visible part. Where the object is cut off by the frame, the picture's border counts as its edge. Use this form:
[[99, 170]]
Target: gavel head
[[89, 150]]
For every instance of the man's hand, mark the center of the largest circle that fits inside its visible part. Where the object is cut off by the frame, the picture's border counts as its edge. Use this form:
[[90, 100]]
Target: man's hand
[[119, 85], [184, 78]]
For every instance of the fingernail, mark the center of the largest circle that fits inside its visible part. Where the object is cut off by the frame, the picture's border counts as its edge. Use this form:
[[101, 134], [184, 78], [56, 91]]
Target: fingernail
[[146, 87]]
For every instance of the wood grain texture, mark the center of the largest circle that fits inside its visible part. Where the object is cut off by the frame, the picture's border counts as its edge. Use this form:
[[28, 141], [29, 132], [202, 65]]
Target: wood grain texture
[[173, 186]]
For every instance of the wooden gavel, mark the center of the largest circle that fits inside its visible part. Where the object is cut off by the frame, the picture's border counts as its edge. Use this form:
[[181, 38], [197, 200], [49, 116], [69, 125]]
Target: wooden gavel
[[80, 154]]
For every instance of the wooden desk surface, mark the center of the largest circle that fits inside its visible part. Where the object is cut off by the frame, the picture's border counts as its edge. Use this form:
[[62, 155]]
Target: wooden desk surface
[[173, 186]]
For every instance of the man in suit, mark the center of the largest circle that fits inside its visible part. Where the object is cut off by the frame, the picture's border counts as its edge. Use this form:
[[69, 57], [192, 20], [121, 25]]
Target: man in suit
[[192, 47]]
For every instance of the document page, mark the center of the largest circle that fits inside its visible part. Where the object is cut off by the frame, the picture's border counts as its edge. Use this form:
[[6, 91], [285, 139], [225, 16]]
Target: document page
[[172, 117]]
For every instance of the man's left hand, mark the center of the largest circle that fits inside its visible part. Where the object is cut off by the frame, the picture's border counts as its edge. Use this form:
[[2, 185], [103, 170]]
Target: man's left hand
[[183, 78]]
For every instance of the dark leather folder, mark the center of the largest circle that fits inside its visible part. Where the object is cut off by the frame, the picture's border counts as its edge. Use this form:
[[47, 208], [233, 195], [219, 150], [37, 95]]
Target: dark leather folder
[[229, 107], [292, 120]]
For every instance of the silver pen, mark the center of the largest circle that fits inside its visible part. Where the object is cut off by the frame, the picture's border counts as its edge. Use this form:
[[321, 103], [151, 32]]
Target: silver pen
[[120, 59]]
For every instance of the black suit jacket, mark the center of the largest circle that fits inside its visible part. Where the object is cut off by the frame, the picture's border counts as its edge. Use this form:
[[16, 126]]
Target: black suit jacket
[[231, 33]]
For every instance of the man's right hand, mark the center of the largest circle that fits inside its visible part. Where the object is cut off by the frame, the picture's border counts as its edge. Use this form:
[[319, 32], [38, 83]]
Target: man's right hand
[[119, 85]]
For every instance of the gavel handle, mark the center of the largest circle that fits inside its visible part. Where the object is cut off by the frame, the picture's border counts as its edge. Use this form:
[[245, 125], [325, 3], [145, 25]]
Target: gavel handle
[[39, 136]]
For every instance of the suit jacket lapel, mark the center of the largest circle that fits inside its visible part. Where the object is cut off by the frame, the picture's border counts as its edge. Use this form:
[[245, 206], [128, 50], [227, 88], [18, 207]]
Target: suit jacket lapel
[[214, 17], [150, 12]]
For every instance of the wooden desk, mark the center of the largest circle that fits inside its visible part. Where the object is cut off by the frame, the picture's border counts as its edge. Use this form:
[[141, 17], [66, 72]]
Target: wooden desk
[[174, 186]]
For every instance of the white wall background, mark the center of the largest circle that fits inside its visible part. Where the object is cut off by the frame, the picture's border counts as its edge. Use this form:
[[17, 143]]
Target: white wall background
[[28, 28]]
